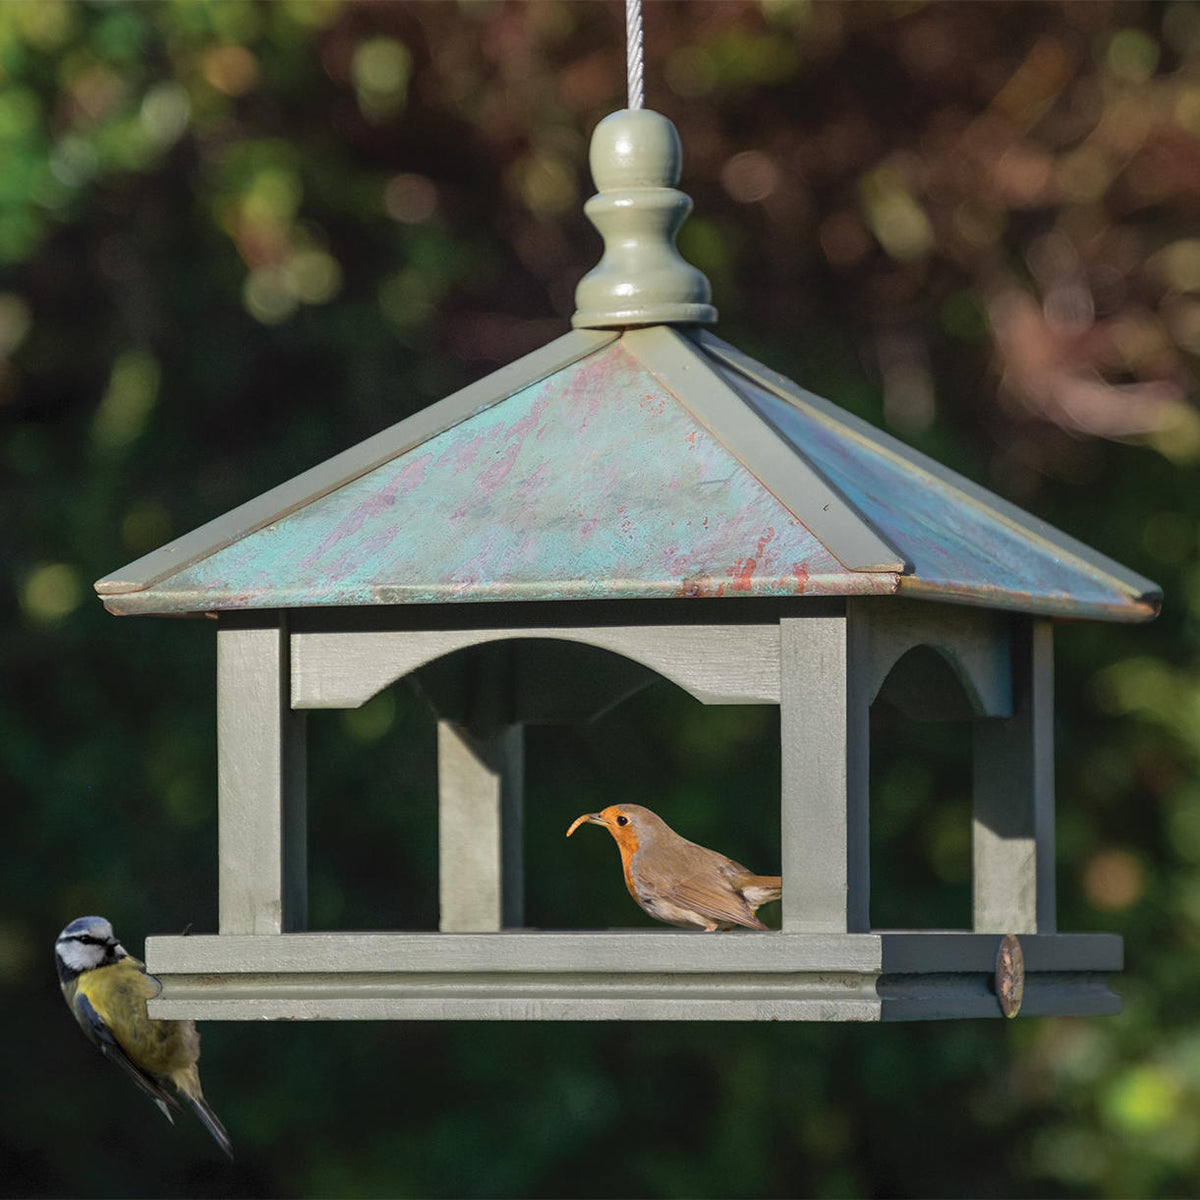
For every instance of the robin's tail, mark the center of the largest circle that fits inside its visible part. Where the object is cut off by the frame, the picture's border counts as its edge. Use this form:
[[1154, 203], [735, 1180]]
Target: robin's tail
[[762, 889]]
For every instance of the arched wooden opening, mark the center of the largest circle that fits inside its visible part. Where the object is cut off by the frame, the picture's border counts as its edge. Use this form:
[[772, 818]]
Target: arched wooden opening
[[921, 747]]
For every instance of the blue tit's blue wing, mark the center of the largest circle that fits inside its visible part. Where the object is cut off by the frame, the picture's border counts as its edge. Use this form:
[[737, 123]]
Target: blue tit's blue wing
[[96, 1029]]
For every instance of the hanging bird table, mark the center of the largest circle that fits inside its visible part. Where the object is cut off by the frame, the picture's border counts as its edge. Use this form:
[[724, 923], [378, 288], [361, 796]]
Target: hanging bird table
[[642, 487]]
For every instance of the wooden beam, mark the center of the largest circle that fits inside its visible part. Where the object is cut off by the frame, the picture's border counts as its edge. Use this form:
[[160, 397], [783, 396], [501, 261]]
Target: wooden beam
[[825, 734], [261, 795], [718, 664], [1013, 829], [480, 826]]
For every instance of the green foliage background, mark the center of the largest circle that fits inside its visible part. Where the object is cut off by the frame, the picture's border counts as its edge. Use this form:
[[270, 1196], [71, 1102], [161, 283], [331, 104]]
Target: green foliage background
[[237, 237]]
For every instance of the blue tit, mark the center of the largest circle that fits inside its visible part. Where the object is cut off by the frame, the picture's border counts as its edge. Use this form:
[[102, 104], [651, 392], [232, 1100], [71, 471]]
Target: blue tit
[[106, 989]]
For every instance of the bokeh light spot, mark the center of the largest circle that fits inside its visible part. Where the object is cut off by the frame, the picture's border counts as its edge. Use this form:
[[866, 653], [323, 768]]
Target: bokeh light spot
[[145, 526], [1183, 824], [1083, 175], [126, 406], [20, 114], [895, 217], [313, 276], [1073, 1155], [186, 802], [46, 24], [16, 950], [979, 221], [236, 20], [51, 592], [74, 160], [165, 113], [1182, 319], [844, 239], [370, 722], [1142, 1099], [546, 185], [268, 296], [15, 322], [1179, 264], [1187, 110], [380, 70], [131, 395], [1132, 54], [274, 196], [313, 14], [232, 70], [1113, 880], [749, 176], [410, 198], [406, 300]]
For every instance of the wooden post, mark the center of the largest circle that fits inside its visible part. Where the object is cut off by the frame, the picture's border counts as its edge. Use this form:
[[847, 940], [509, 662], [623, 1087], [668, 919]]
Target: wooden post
[[261, 796], [825, 732], [1014, 796], [480, 823]]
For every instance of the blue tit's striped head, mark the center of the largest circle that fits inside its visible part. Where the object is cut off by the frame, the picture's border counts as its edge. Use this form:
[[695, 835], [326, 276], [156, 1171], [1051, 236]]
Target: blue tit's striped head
[[87, 943]]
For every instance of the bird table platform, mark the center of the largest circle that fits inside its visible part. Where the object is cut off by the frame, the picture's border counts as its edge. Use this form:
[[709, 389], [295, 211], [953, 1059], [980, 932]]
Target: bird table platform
[[646, 490]]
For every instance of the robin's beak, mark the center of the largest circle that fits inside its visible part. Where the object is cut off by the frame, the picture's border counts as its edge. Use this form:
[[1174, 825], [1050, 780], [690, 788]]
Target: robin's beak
[[589, 818]]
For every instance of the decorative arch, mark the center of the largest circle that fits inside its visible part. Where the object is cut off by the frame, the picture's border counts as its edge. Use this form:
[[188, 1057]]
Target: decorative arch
[[717, 664], [931, 645]]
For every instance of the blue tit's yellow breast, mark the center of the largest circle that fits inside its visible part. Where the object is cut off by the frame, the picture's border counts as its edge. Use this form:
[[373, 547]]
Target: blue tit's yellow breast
[[119, 993]]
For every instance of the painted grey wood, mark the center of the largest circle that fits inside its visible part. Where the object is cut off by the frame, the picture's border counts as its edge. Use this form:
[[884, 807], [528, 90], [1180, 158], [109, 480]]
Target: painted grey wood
[[718, 664], [520, 617], [825, 734], [649, 951], [908, 952], [685, 371], [949, 997], [669, 975], [750, 1005], [971, 493], [641, 279], [532, 682], [911, 998], [398, 439], [1013, 825], [480, 829], [974, 642], [261, 797], [626, 952]]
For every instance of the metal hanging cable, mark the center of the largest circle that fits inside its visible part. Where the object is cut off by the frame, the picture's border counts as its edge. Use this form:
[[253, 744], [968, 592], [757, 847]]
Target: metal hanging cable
[[635, 54]]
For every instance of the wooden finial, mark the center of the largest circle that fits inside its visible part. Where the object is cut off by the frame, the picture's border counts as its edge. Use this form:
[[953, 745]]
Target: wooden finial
[[641, 279]]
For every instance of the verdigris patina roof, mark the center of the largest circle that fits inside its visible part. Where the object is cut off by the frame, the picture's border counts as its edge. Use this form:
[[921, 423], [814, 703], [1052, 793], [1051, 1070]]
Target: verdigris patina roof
[[654, 462], [636, 457]]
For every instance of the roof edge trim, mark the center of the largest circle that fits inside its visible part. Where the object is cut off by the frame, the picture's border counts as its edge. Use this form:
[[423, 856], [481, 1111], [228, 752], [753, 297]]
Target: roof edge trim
[[166, 603], [1145, 593], [357, 460], [673, 359], [1040, 606]]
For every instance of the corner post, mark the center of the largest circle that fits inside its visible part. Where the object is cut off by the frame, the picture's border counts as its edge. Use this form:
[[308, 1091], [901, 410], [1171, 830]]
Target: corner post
[[825, 735], [261, 788], [1013, 828], [480, 825]]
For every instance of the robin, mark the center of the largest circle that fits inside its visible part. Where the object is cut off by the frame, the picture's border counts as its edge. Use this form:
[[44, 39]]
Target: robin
[[675, 880]]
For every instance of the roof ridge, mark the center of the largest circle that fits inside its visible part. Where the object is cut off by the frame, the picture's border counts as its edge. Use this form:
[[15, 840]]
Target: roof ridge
[[1011, 515], [784, 471]]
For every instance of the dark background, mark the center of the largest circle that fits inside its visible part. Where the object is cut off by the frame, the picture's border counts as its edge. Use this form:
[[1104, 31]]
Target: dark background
[[237, 237]]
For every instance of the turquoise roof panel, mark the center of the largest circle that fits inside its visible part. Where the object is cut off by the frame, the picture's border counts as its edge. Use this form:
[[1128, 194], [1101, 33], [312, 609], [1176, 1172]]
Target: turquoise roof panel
[[646, 464], [595, 482], [957, 547]]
